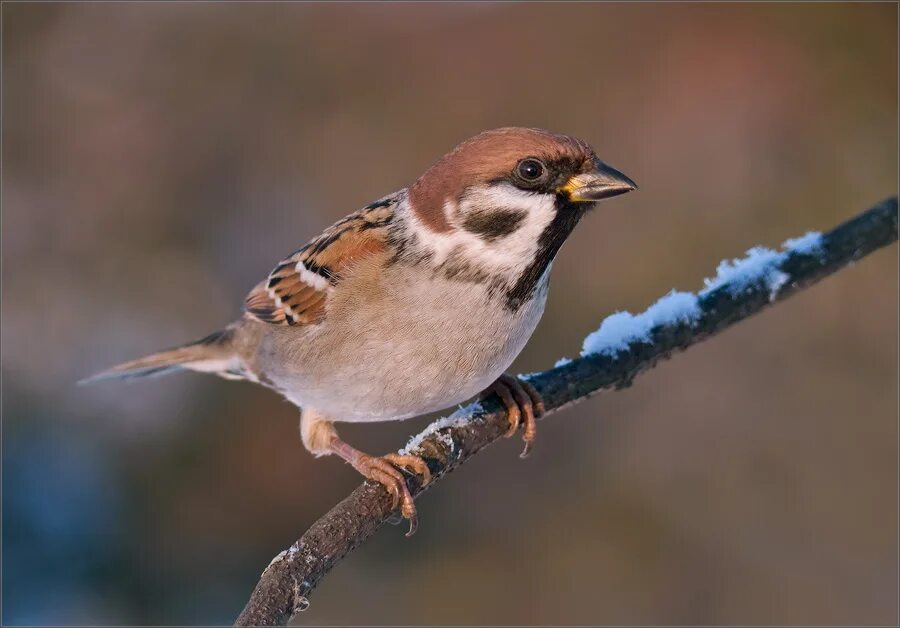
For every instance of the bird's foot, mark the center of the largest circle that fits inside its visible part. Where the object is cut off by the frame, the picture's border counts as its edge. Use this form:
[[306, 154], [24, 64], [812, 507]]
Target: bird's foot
[[386, 471], [523, 406]]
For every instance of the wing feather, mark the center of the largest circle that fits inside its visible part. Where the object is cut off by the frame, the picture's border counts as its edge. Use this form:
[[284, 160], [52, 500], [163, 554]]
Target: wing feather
[[296, 291]]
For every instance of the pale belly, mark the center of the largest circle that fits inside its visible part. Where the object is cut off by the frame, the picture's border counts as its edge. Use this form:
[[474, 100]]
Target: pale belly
[[416, 348]]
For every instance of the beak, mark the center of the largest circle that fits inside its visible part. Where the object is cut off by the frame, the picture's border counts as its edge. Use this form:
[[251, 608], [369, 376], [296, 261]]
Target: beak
[[601, 182]]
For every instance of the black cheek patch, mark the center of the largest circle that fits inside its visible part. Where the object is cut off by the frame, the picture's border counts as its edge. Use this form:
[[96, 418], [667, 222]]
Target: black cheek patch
[[491, 225]]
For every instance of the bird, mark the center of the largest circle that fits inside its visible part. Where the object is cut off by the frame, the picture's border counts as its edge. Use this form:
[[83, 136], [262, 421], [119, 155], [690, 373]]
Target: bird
[[415, 303]]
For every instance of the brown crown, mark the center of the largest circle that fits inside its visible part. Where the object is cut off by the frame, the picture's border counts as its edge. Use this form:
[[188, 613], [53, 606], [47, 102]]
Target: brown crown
[[486, 157]]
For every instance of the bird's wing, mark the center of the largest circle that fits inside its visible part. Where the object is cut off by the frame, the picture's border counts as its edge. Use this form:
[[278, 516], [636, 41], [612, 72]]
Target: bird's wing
[[296, 291]]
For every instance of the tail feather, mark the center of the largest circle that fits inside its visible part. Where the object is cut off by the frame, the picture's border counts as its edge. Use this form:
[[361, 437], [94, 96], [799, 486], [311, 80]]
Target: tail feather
[[212, 354]]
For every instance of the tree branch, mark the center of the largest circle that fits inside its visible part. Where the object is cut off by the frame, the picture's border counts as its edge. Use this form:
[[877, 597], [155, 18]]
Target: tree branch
[[289, 578]]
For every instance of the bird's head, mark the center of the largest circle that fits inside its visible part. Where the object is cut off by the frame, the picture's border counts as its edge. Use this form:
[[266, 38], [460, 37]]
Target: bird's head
[[508, 198]]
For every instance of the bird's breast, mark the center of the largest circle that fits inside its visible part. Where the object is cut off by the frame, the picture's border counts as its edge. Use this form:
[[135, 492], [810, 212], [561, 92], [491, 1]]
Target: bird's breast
[[403, 344]]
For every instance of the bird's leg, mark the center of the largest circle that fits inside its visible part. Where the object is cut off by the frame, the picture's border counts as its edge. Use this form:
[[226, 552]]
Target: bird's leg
[[321, 438], [523, 406]]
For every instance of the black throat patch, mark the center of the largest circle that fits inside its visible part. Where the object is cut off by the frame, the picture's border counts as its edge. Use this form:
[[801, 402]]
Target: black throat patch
[[551, 239]]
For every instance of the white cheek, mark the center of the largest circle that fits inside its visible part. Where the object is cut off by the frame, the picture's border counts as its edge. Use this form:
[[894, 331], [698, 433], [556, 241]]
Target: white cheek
[[510, 252]]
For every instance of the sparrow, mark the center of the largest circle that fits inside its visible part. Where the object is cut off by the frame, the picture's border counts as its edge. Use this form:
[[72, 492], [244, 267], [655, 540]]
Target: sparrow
[[414, 303]]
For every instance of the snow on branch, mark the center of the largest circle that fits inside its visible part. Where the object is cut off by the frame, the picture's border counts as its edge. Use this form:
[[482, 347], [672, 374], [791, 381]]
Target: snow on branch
[[760, 266], [624, 346]]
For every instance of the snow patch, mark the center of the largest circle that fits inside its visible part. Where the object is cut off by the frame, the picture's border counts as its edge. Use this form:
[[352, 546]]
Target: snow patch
[[809, 244], [759, 265], [622, 328], [457, 419]]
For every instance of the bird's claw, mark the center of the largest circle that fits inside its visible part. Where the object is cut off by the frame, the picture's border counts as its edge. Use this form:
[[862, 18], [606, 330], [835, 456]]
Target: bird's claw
[[413, 464], [523, 405], [386, 471]]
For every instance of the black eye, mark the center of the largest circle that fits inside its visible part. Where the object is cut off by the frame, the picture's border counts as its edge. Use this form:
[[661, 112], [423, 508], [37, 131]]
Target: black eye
[[530, 169]]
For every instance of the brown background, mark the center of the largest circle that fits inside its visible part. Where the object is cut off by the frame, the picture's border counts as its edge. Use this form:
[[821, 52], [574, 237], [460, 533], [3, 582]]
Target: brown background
[[159, 159]]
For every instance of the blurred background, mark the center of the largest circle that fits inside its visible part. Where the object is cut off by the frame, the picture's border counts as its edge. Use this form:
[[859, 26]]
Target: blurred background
[[159, 159]]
